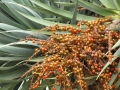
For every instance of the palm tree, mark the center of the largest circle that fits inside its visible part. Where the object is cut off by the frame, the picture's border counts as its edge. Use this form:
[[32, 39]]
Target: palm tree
[[20, 18]]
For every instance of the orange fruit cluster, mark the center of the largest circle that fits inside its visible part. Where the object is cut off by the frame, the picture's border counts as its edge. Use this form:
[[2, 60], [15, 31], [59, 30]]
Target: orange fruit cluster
[[75, 55]]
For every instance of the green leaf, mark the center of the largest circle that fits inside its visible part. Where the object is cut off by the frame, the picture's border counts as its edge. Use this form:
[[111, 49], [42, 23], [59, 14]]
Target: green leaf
[[66, 4], [95, 8], [13, 6], [113, 4], [107, 3], [117, 4], [5, 26], [19, 7], [115, 29], [6, 86], [77, 89], [57, 87], [43, 31], [41, 10], [11, 73], [37, 59], [51, 83], [53, 2], [7, 20], [117, 84], [38, 20], [59, 19], [16, 50], [8, 68], [13, 86], [8, 38], [62, 13], [116, 45], [25, 85], [97, 2], [43, 84], [90, 80], [73, 20], [91, 77], [12, 58], [8, 81]]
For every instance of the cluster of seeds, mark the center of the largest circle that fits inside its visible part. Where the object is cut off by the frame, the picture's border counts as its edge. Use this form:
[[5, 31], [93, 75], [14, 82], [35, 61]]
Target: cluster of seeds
[[75, 55]]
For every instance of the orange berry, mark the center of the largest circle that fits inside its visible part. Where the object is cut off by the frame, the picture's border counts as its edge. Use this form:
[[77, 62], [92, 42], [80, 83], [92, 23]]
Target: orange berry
[[33, 41], [99, 69], [74, 31], [43, 49], [69, 88], [110, 73], [91, 40], [60, 70], [76, 42], [116, 69], [46, 68], [53, 29], [93, 71], [118, 75], [78, 24], [113, 86], [44, 77], [53, 88], [38, 83], [109, 79], [88, 30], [36, 86]]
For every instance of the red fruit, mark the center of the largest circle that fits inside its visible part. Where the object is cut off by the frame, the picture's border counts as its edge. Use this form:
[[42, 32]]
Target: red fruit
[[108, 75], [38, 83], [53, 88], [76, 42], [99, 69], [69, 88], [44, 77], [109, 79], [113, 86], [60, 70], [53, 29], [43, 49], [91, 40], [118, 75], [74, 31], [78, 24], [116, 34], [46, 68], [93, 71], [88, 30], [36, 86], [116, 69], [86, 88]]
